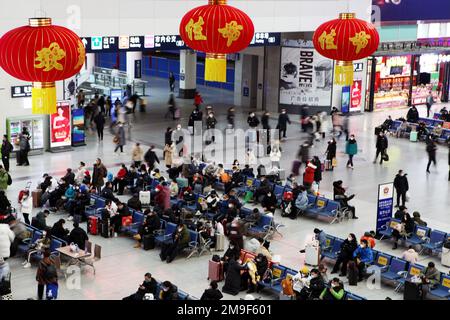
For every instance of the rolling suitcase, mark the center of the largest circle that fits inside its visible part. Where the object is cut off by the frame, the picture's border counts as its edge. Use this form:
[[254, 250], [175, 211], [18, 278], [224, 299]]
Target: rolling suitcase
[[148, 242], [144, 197], [413, 136], [220, 242], [36, 194], [412, 291], [312, 254], [215, 271], [92, 226], [104, 228], [328, 165], [296, 167]]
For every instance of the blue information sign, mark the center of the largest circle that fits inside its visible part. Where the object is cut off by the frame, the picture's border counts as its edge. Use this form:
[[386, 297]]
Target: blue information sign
[[385, 204]]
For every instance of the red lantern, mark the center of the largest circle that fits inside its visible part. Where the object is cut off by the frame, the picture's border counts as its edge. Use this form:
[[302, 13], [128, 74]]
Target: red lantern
[[344, 40], [217, 29], [42, 54]]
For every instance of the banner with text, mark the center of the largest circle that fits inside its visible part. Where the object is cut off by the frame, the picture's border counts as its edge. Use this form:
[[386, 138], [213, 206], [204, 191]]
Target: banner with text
[[306, 77], [385, 204]]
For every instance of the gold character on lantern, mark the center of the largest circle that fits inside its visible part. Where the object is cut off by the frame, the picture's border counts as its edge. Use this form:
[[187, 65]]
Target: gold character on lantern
[[360, 40], [231, 31], [48, 58], [327, 40], [81, 55], [196, 29]]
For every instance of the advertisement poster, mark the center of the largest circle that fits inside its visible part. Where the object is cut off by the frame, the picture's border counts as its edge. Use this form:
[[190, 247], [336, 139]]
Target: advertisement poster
[[385, 204], [60, 126], [78, 133], [356, 96], [345, 102], [306, 77]]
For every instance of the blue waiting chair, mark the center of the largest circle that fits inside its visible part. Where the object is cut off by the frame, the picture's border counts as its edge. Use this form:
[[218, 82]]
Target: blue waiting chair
[[386, 230], [166, 234], [443, 289], [419, 236], [435, 241], [392, 273], [332, 253], [413, 270]]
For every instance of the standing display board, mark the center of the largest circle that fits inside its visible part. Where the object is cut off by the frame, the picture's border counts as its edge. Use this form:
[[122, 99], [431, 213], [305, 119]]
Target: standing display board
[[61, 128], [385, 204], [78, 132]]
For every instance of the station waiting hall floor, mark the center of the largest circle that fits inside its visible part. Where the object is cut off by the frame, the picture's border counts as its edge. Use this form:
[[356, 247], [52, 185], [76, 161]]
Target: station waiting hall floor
[[122, 267]]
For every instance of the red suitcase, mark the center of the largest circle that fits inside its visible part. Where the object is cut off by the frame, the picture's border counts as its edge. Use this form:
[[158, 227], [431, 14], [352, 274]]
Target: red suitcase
[[215, 271], [93, 225]]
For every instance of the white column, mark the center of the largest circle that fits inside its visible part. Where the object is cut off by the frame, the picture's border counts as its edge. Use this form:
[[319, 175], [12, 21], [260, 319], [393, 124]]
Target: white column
[[89, 63], [188, 74], [132, 57], [242, 80]]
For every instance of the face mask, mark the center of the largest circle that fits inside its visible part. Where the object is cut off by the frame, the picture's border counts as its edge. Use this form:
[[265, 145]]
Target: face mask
[[349, 239], [231, 247], [363, 246], [334, 285], [180, 229], [178, 128], [230, 206]]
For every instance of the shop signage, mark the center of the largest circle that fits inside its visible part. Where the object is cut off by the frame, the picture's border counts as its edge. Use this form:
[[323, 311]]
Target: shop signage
[[21, 91], [161, 42], [385, 204], [345, 99], [413, 10], [356, 96]]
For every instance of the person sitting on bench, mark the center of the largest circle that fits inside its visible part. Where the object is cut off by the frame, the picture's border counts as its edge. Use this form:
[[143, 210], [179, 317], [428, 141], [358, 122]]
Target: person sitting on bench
[[363, 256], [147, 287], [180, 240]]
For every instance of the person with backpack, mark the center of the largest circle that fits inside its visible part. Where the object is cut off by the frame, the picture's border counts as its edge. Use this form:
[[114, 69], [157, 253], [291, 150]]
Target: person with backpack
[[47, 275], [7, 148], [5, 179]]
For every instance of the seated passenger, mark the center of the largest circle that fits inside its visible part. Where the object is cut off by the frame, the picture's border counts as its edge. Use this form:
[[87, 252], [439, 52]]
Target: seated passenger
[[363, 256], [212, 293], [179, 240], [345, 255], [150, 225], [301, 202], [147, 287], [418, 220], [339, 195], [410, 255], [431, 275], [269, 202], [257, 273], [314, 287], [334, 292], [135, 203], [39, 247], [233, 281], [59, 231], [78, 236], [120, 181], [370, 237], [168, 291]]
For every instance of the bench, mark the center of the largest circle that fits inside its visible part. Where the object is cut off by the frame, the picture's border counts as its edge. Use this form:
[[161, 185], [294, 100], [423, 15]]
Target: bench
[[392, 273], [434, 242]]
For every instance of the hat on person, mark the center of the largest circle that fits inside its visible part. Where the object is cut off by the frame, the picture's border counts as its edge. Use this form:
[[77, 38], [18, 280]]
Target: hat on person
[[304, 270]]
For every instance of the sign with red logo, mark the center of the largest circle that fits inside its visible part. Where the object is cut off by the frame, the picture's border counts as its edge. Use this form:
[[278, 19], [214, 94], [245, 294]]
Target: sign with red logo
[[356, 96]]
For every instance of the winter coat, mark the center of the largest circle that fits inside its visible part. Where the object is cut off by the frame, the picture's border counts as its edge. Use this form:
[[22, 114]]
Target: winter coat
[[211, 123], [211, 294], [40, 273], [233, 279], [151, 157], [99, 175], [137, 153], [365, 255], [183, 237], [3, 179], [24, 142], [99, 121], [401, 183], [121, 136], [265, 122], [351, 147], [318, 172], [253, 122], [162, 199], [347, 249], [382, 143], [410, 255], [26, 205], [301, 202], [6, 239], [308, 176], [168, 155], [331, 150], [283, 120], [79, 237], [7, 148], [412, 115]]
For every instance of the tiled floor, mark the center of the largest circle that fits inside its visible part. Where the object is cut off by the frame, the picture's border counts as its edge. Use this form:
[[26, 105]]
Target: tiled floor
[[122, 268]]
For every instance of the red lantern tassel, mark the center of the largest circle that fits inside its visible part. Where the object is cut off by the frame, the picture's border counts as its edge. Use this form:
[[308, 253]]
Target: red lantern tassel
[[343, 73], [216, 67], [44, 98]]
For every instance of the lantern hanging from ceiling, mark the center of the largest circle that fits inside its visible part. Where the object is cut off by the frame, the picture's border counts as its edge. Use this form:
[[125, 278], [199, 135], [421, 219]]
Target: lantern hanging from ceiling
[[42, 53], [216, 29], [346, 39]]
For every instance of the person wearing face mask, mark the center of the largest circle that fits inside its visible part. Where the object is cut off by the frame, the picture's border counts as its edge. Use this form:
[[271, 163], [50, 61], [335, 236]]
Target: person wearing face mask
[[232, 253], [180, 239], [120, 138], [351, 149], [339, 195], [401, 186], [269, 202], [314, 288], [345, 254], [334, 292], [211, 122], [178, 138], [283, 121], [381, 146], [212, 293], [363, 256]]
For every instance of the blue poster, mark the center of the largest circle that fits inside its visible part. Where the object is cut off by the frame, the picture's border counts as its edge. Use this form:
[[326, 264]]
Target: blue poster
[[385, 206], [78, 132], [345, 102], [413, 10]]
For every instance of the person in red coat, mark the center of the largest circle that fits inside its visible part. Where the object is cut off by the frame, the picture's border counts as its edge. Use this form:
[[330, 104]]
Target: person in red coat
[[162, 198], [308, 176], [198, 100], [121, 179]]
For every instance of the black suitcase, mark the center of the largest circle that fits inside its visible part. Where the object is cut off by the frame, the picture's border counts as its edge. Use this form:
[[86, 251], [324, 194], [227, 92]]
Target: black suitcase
[[148, 242], [378, 130], [104, 228], [412, 291], [352, 274]]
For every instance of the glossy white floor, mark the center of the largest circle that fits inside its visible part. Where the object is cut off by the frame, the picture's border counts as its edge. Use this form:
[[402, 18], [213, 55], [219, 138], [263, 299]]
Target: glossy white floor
[[122, 268]]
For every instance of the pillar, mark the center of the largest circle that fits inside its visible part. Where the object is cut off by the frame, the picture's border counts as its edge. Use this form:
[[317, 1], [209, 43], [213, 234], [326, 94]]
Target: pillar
[[89, 63], [271, 82], [134, 65], [243, 81], [188, 74]]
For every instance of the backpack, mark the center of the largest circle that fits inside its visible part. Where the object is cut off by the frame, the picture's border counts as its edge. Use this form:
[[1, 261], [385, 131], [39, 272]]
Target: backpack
[[225, 177], [288, 288], [50, 272], [9, 180]]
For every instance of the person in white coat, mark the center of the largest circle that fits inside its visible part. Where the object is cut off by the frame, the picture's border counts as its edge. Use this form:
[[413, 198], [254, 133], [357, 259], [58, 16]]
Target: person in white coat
[[79, 176], [275, 154], [26, 206], [6, 239]]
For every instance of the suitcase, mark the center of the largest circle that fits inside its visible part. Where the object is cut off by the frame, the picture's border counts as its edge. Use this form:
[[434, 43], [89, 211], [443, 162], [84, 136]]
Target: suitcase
[[328, 165], [412, 291], [220, 242], [352, 273], [144, 197], [215, 271], [445, 258], [36, 194], [92, 226], [413, 136], [296, 167], [104, 228], [312, 254], [148, 242]]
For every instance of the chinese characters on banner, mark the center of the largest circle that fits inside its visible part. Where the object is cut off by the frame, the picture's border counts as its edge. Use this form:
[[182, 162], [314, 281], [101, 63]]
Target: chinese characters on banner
[[356, 95], [306, 77], [60, 126], [385, 204]]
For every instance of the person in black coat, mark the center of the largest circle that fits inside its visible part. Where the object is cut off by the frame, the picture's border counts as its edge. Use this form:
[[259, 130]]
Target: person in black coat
[[212, 293], [233, 278], [168, 291], [318, 172], [412, 115], [7, 148], [99, 121], [168, 136], [331, 149], [283, 120], [233, 252], [381, 145], [265, 121], [431, 150], [401, 187], [253, 120], [148, 286], [78, 236], [407, 222], [151, 158], [269, 202], [59, 231], [315, 288], [345, 254]]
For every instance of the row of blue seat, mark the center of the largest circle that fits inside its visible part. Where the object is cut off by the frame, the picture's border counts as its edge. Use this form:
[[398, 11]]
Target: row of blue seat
[[431, 123], [35, 235], [392, 268]]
